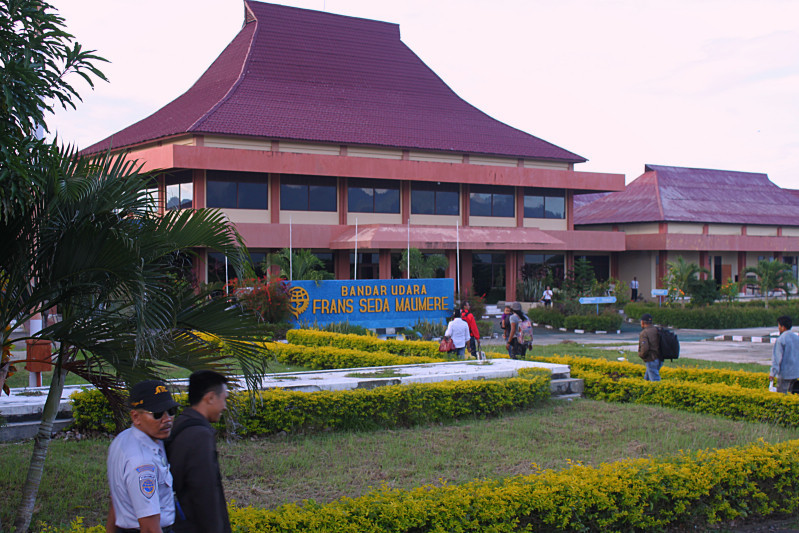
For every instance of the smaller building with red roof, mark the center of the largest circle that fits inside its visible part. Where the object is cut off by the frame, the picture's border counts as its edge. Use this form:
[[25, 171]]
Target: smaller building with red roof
[[722, 220]]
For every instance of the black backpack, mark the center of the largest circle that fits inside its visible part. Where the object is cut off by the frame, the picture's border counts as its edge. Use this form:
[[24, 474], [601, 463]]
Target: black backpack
[[669, 344]]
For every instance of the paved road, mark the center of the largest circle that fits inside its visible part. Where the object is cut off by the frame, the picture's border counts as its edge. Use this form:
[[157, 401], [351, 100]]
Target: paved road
[[694, 343]]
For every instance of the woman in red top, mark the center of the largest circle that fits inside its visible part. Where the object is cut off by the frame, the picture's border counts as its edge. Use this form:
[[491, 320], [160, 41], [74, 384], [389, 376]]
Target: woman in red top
[[467, 315]]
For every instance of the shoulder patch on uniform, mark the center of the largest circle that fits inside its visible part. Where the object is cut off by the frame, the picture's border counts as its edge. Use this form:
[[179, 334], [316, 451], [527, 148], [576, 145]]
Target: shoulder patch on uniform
[[148, 480]]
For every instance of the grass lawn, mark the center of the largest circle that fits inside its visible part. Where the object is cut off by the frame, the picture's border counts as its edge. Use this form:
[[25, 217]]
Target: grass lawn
[[324, 467]]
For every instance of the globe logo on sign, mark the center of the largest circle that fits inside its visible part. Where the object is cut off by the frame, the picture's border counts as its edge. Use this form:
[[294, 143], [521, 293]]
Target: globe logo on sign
[[298, 299]]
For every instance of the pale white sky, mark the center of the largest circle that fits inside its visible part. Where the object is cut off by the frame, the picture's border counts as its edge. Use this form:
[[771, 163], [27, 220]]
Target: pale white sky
[[695, 83]]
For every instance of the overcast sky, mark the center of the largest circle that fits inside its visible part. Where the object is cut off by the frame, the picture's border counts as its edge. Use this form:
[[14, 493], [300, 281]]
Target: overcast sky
[[623, 83]]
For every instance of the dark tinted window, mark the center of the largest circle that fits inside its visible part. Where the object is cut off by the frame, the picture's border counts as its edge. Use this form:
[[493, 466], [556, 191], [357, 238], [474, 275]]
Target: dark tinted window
[[373, 196], [236, 190], [544, 203], [435, 198], [307, 193], [491, 201]]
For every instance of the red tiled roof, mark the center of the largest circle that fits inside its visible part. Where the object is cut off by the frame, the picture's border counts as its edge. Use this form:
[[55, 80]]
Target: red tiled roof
[[305, 75], [678, 194]]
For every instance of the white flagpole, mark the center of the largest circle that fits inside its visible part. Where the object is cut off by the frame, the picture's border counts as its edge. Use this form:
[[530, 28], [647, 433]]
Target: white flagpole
[[291, 255], [409, 248], [227, 287], [458, 255], [356, 249]]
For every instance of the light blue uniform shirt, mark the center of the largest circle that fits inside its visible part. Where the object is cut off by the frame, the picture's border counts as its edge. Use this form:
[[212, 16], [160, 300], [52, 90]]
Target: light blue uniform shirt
[[140, 480], [785, 360]]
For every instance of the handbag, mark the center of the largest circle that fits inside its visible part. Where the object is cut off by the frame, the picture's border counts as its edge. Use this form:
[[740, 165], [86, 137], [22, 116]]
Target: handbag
[[446, 345]]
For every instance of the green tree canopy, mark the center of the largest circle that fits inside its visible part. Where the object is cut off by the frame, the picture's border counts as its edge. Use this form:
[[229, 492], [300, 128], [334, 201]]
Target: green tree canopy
[[422, 265]]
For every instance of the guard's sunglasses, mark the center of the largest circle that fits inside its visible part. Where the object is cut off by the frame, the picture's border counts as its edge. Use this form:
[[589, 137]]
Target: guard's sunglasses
[[158, 414]]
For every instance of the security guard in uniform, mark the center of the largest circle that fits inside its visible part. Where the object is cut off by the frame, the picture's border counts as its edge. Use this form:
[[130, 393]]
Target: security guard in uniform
[[138, 471]]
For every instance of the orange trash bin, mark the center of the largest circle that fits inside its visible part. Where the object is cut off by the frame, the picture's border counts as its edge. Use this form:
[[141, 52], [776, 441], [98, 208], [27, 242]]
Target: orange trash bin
[[39, 356]]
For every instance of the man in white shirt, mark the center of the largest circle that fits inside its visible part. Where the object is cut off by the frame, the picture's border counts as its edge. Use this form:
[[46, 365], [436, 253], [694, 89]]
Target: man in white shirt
[[634, 289], [138, 471]]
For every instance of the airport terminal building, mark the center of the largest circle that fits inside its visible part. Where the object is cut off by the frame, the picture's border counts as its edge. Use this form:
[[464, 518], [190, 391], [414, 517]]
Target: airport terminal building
[[328, 133]]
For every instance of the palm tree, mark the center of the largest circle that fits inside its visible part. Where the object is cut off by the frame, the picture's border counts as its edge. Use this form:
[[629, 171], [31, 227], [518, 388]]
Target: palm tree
[[421, 265], [681, 276], [772, 275], [298, 265], [95, 248]]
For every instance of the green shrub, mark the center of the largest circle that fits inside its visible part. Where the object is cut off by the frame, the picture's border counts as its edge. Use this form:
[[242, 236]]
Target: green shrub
[[309, 337], [345, 328], [485, 327], [713, 317], [330, 357], [684, 492], [91, 411], [383, 407], [603, 322], [551, 317]]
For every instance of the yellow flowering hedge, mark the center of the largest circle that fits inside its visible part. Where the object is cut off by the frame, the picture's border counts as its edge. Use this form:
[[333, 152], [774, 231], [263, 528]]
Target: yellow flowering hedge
[[312, 337], [751, 380], [328, 357], [655, 494], [388, 406], [688, 491], [382, 407], [730, 401]]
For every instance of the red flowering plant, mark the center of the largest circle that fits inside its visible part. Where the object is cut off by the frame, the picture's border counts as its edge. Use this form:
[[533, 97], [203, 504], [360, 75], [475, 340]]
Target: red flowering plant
[[267, 297]]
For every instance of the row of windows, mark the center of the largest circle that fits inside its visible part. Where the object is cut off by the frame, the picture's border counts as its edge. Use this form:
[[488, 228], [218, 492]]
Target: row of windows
[[245, 190]]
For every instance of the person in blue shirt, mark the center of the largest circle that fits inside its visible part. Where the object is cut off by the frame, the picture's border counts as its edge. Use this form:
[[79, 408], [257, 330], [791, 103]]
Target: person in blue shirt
[[785, 359]]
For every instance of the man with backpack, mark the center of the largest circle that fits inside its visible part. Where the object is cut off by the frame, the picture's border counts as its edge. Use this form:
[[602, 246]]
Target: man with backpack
[[649, 348], [520, 337]]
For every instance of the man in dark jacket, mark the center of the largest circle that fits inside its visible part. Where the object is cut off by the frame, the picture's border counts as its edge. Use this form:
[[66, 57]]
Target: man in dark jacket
[[191, 448], [649, 348]]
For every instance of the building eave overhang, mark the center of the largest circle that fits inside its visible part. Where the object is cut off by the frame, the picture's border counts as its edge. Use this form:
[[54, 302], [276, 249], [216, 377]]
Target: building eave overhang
[[168, 157], [711, 243]]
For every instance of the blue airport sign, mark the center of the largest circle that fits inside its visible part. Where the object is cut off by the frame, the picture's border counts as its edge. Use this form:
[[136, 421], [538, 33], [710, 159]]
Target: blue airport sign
[[375, 303], [598, 300], [660, 292]]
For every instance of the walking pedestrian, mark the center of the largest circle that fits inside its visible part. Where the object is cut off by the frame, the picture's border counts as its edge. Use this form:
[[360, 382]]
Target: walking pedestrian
[[785, 357], [191, 449], [138, 471]]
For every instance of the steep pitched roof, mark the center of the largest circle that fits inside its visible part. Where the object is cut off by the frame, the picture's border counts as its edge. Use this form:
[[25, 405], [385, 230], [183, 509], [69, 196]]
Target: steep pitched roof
[[305, 75], [678, 194]]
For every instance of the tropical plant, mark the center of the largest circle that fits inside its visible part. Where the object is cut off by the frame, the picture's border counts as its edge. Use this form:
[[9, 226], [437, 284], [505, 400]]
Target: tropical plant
[[299, 264], [37, 60], [421, 265], [772, 275], [581, 279], [680, 277], [730, 289], [81, 234], [267, 298]]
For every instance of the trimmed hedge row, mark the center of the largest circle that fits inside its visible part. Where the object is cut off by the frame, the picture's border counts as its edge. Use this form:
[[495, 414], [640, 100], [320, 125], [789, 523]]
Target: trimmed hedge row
[[686, 491], [719, 399], [388, 407], [382, 407], [751, 380], [651, 494], [329, 357], [603, 322], [712, 317], [311, 337]]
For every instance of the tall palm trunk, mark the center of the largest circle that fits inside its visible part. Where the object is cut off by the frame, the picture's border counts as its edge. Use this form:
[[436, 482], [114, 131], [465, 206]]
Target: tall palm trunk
[[40, 446]]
